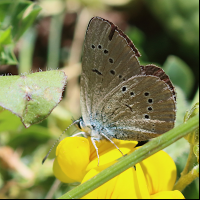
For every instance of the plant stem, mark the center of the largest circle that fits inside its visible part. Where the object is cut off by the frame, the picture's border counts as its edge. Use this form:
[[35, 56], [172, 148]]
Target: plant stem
[[54, 40], [26, 52], [196, 98], [190, 161], [187, 179]]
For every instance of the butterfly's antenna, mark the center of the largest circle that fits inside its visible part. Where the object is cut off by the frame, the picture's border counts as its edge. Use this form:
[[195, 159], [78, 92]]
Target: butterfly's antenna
[[74, 122], [72, 119]]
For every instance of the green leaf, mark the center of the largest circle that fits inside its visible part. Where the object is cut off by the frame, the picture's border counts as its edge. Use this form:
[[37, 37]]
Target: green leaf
[[5, 37], [30, 138], [5, 118], [182, 105], [19, 14], [9, 10], [193, 137], [179, 73], [32, 97], [7, 56], [26, 21], [15, 18], [181, 20]]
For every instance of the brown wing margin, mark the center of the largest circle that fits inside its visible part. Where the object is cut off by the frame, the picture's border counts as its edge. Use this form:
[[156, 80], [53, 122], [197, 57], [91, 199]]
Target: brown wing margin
[[113, 28], [157, 71]]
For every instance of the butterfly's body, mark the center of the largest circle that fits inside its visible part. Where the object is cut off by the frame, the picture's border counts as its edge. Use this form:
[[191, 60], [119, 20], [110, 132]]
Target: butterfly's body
[[119, 98]]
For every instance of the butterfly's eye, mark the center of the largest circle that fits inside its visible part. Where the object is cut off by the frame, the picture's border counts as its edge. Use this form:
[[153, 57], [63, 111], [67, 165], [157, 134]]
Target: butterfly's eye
[[93, 46]]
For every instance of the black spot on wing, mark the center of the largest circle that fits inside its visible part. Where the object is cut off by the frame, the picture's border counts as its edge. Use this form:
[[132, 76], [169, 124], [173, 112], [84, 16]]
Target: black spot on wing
[[97, 72]]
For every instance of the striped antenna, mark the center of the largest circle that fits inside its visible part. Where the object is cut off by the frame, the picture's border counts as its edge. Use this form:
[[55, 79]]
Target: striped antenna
[[58, 140]]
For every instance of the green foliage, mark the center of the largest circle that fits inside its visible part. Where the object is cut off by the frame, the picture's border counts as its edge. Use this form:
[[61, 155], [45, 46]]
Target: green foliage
[[180, 74], [5, 118], [193, 137], [15, 18], [180, 19]]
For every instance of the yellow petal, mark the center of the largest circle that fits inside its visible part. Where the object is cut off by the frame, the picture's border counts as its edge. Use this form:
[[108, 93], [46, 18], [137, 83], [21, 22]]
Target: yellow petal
[[59, 174], [168, 195], [130, 184], [160, 172], [102, 191], [72, 155]]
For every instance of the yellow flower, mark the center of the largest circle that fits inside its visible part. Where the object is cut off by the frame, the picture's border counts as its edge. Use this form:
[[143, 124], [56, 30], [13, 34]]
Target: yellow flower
[[154, 177], [72, 158]]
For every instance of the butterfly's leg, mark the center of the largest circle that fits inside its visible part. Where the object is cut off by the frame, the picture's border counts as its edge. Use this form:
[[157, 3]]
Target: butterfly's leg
[[93, 142], [80, 133], [111, 142]]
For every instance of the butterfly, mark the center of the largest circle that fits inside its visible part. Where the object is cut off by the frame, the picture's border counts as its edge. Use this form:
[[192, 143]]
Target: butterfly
[[119, 97]]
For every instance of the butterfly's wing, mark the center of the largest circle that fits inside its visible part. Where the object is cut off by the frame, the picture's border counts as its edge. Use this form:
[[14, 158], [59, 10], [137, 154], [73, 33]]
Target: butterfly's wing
[[109, 58], [157, 71], [140, 108], [126, 100]]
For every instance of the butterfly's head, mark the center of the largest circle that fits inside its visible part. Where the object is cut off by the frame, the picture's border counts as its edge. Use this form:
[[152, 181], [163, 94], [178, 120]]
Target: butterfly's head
[[89, 130], [83, 127]]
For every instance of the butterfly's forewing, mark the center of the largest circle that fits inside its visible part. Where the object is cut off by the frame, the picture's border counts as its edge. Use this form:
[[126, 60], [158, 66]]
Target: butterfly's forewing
[[109, 58]]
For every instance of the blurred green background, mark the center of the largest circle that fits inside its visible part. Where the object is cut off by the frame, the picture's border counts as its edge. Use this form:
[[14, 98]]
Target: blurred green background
[[50, 36]]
